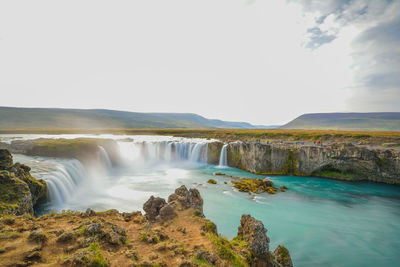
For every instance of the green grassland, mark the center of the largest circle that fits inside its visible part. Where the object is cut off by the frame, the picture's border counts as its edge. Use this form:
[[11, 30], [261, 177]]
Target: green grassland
[[383, 138]]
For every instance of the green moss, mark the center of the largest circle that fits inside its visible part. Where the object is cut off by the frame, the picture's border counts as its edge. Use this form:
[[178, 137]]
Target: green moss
[[149, 237], [225, 249], [200, 262], [4, 235], [238, 241], [98, 259], [255, 186], [337, 175], [212, 181], [209, 227]]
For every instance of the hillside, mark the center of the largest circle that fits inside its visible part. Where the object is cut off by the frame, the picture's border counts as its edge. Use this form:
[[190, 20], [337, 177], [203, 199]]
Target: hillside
[[379, 121], [54, 118]]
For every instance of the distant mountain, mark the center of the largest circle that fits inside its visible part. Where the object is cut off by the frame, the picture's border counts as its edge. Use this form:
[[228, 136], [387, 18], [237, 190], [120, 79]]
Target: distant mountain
[[56, 118], [379, 121]]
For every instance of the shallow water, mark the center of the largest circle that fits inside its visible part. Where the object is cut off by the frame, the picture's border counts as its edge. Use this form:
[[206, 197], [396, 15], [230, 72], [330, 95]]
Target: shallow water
[[322, 222]]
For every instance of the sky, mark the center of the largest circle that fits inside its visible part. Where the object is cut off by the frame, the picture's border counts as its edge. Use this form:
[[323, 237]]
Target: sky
[[264, 62]]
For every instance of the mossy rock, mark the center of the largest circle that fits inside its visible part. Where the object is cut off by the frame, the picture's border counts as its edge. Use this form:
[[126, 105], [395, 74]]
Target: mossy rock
[[212, 181]]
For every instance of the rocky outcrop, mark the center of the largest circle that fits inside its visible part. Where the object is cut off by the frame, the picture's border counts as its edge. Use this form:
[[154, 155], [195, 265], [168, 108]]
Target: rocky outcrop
[[187, 199], [19, 191], [282, 256], [254, 233], [338, 161], [157, 209]]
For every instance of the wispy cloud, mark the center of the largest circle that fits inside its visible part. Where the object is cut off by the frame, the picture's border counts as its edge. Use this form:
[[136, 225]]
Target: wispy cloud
[[374, 44]]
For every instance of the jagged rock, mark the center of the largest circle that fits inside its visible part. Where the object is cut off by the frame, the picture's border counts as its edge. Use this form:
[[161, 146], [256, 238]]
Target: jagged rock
[[209, 257], [158, 210], [6, 159], [66, 237], [187, 199], [19, 191], [267, 182], [283, 257], [111, 233], [167, 212], [93, 229], [254, 233], [87, 241], [117, 235], [152, 207], [33, 256], [90, 212], [78, 259], [38, 236]]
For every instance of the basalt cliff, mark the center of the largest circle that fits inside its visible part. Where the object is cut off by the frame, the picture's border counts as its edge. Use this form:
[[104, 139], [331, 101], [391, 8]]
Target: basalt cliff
[[338, 161]]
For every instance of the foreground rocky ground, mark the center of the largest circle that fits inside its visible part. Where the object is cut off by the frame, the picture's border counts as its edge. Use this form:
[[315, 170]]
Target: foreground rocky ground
[[173, 233]]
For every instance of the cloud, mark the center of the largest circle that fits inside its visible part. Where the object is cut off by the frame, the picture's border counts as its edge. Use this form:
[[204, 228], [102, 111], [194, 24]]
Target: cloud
[[374, 45]]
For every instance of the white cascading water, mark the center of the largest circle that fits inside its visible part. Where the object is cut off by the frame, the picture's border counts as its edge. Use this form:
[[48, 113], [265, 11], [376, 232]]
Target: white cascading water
[[72, 184], [63, 182], [164, 151], [223, 158], [105, 158]]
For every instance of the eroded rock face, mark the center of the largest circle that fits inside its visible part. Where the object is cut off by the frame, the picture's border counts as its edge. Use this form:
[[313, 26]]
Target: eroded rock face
[[187, 199], [19, 191], [255, 234], [157, 209], [152, 207], [339, 161], [6, 159], [283, 257]]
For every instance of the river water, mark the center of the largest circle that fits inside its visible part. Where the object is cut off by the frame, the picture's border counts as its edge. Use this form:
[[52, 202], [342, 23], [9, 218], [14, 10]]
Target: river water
[[322, 222]]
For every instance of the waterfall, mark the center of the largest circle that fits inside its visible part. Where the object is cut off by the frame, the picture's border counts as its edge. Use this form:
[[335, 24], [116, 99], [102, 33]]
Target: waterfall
[[63, 182], [165, 151], [223, 158], [104, 157]]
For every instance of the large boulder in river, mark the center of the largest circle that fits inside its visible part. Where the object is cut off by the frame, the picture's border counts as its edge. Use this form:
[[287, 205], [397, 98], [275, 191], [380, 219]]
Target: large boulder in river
[[19, 190]]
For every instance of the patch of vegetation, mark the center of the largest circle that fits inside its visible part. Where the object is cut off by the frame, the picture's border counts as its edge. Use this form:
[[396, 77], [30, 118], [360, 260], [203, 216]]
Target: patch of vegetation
[[337, 174], [225, 249], [98, 259], [256, 186], [238, 241], [209, 227], [212, 181], [9, 235]]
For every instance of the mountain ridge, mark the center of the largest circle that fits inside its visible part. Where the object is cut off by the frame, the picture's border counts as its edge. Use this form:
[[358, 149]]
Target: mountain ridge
[[56, 118], [388, 121]]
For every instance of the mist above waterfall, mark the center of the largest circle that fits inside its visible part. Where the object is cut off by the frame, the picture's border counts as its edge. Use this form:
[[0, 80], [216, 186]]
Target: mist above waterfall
[[148, 165]]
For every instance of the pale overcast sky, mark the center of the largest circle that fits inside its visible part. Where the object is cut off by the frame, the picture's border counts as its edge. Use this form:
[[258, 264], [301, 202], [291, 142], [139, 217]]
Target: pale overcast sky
[[265, 62]]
